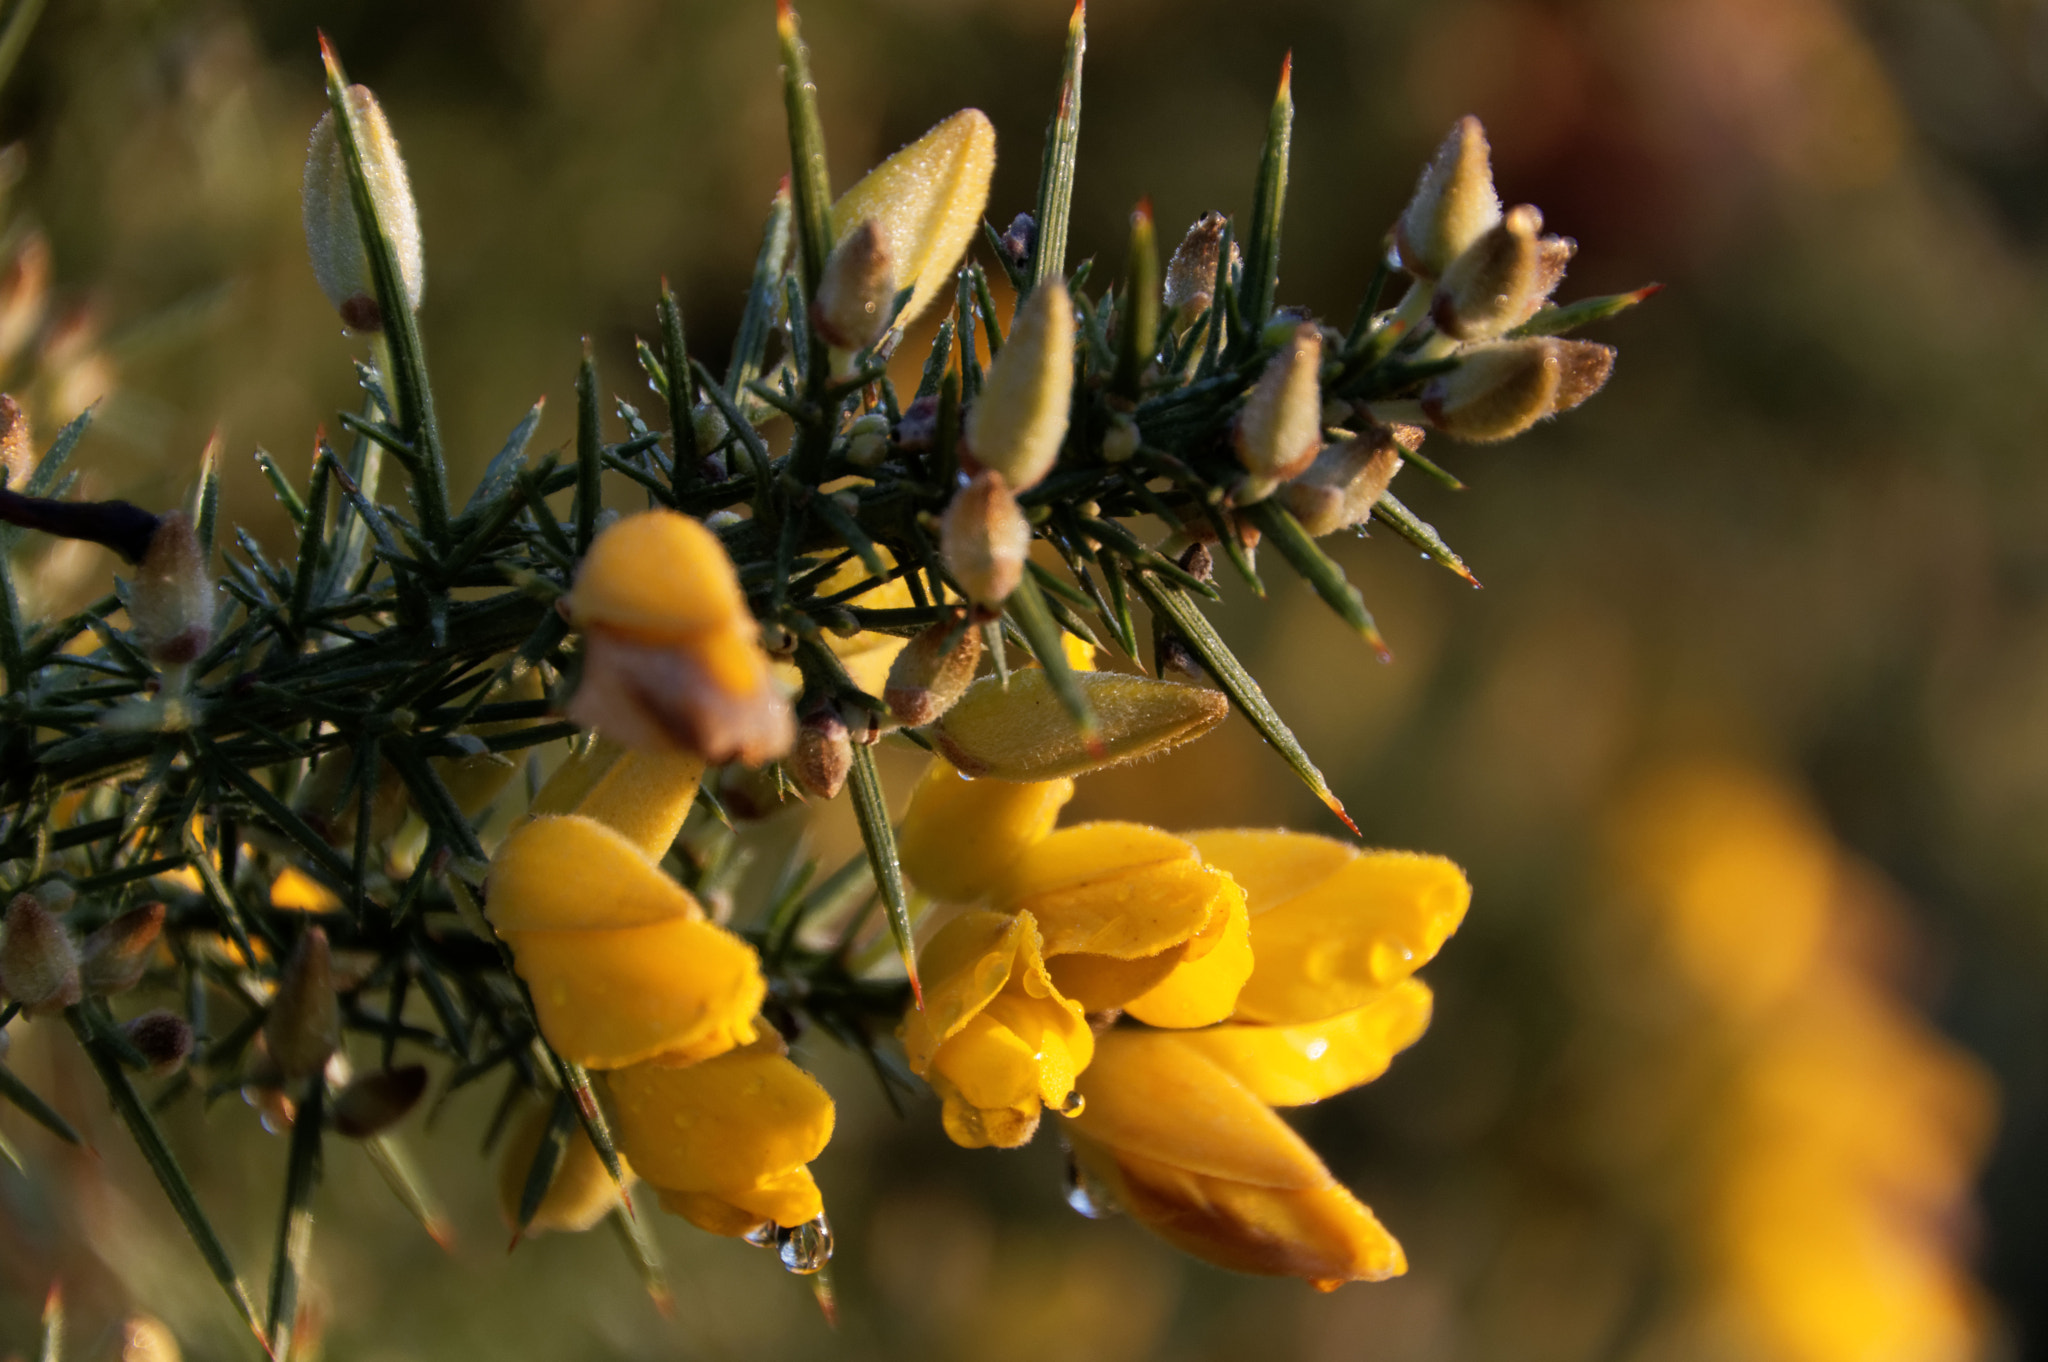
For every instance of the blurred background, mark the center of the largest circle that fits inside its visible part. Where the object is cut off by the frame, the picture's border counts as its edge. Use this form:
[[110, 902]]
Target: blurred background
[[1743, 1052]]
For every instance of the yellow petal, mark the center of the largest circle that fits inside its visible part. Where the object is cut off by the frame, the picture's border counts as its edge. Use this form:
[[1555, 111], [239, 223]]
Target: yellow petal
[[963, 967], [1116, 889], [572, 873], [724, 1126], [606, 999], [1272, 864], [294, 891], [582, 1192], [1023, 731], [1204, 990], [643, 796], [1080, 855], [1290, 1065], [1101, 983], [1151, 1094], [973, 1127], [927, 201], [960, 837], [657, 572]]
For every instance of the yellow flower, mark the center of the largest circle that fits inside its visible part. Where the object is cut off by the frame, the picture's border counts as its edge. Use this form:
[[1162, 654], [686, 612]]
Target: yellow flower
[[642, 796], [1287, 1066], [925, 202], [995, 1039], [1131, 918], [1331, 926], [867, 655], [672, 658], [1187, 1150], [582, 1192], [727, 1142], [959, 836], [620, 961]]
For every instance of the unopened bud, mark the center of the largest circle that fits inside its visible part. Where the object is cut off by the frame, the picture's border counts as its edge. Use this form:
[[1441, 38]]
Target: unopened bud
[[1345, 482], [114, 956], [1281, 426], [1584, 368], [170, 602], [851, 310], [145, 1338], [932, 672], [333, 237], [163, 1039], [1454, 204], [1501, 279], [926, 201], [38, 960], [867, 440], [375, 1102], [1501, 388], [1191, 274], [1120, 442], [17, 449], [823, 755], [1018, 240], [1017, 423], [984, 538], [303, 1027], [708, 423], [1024, 732]]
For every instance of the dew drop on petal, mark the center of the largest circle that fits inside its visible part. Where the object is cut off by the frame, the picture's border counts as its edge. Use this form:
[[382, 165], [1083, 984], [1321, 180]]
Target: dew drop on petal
[[806, 1248], [762, 1235], [1087, 1195], [1318, 1047]]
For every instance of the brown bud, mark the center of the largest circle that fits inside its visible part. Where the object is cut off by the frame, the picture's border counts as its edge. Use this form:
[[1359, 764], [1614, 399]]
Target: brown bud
[[1281, 426], [38, 961], [163, 1038], [851, 310], [17, 449], [303, 1027], [1584, 368], [933, 671], [375, 1102], [115, 955], [170, 602], [1453, 206], [984, 539], [1345, 482], [1191, 274], [823, 755], [1501, 279]]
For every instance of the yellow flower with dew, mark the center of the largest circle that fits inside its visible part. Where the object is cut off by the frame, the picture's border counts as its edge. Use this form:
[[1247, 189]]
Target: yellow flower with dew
[[926, 203], [727, 1141], [672, 655], [620, 960], [960, 836], [995, 1039], [582, 1191], [1289, 1066], [1172, 1138]]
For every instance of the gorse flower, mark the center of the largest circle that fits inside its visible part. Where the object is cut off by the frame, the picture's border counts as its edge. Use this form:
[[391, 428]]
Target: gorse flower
[[926, 203]]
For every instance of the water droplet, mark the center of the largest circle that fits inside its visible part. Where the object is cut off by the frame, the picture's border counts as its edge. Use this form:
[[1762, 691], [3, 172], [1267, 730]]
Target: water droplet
[[1317, 1048], [1074, 1105], [805, 1248], [1086, 1194], [762, 1235]]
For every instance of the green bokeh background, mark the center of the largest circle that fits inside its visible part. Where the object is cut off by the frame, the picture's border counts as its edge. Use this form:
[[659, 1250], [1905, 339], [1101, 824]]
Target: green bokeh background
[[1804, 526]]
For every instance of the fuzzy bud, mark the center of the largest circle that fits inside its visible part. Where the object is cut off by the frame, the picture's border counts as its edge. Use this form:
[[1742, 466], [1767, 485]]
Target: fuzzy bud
[[303, 1027], [1191, 274], [1024, 733], [823, 755], [375, 1102], [1584, 368], [984, 539], [38, 960], [170, 602], [1501, 279], [1454, 204], [932, 672], [162, 1038], [1017, 423], [115, 955], [1281, 426], [867, 440], [851, 310], [1501, 388], [333, 237], [926, 201], [1120, 442], [1346, 481], [17, 449]]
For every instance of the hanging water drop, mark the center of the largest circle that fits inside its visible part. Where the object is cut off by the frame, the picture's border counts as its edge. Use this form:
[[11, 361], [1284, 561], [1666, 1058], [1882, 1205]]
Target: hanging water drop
[[806, 1248], [1087, 1195], [762, 1235], [1074, 1105]]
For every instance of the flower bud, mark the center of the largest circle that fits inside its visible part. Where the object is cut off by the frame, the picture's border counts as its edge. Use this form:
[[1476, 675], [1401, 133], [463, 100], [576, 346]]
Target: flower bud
[[985, 539], [1346, 481], [17, 448], [926, 201], [1498, 390], [933, 672], [1120, 442], [823, 755], [1584, 368], [1281, 426], [867, 440], [170, 602], [379, 1100], [1453, 206], [851, 310], [303, 1027], [38, 962], [162, 1038], [333, 237], [709, 425], [1191, 274], [1501, 279], [1017, 423], [115, 955], [145, 1338], [1023, 731]]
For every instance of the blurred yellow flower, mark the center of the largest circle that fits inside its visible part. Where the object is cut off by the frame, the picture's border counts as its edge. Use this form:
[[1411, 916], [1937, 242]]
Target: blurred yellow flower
[[1169, 1136], [582, 1192]]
